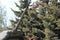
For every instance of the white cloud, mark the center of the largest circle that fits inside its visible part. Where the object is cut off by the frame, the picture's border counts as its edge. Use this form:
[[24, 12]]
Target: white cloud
[[33, 0]]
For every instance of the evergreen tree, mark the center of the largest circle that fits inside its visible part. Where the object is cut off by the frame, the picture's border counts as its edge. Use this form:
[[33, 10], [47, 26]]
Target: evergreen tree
[[41, 22]]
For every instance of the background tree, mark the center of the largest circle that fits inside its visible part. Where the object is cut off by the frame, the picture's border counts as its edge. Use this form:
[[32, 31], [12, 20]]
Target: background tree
[[1, 19]]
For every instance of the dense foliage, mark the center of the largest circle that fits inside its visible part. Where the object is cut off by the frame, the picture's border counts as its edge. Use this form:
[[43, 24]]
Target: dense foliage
[[41, 20]]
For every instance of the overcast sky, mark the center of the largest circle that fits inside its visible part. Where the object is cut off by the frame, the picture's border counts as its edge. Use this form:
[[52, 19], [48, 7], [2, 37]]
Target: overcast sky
[[7, 4]]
